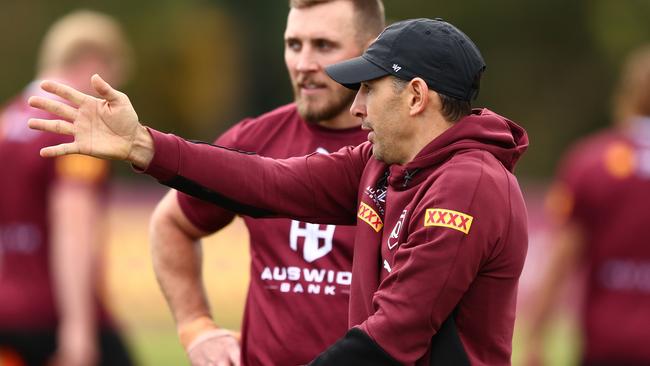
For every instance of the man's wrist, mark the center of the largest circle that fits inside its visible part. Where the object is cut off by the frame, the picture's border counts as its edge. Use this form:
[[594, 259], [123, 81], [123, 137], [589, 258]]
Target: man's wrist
[[189, 331], [142, 150]]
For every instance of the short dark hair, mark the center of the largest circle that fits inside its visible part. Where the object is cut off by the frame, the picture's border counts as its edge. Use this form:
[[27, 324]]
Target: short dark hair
[[452, 109], [370, 15]]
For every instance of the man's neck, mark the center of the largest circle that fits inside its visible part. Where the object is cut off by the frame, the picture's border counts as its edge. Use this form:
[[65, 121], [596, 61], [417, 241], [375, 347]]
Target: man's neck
[[427, 133]]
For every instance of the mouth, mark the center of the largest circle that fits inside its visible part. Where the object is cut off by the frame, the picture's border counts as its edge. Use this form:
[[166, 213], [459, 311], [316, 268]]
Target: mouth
[[366, 127], [309, 87]]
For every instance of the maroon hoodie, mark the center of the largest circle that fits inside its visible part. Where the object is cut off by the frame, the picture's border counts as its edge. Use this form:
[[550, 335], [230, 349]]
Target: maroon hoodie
[[440, 241]]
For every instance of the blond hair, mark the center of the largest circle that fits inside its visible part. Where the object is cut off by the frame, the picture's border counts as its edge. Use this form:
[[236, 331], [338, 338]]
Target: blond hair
[[632, 97], [85, 31]]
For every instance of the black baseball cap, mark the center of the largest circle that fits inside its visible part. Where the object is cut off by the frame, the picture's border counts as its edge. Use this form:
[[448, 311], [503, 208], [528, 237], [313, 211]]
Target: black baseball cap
[[431, 49]]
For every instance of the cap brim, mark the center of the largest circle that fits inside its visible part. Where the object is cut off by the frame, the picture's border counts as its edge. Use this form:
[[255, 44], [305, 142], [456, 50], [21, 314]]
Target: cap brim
[[353, 72]]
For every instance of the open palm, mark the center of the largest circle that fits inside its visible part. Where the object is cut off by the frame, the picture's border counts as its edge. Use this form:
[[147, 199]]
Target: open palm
[[104, 128]]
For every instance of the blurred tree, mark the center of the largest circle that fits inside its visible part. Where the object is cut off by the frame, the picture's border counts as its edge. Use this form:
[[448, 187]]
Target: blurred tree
[[189, 79], [551, 64], [262, 24]]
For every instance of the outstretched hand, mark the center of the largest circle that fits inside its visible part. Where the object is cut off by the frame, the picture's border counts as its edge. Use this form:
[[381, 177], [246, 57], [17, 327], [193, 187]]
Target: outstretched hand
[[105, 128]]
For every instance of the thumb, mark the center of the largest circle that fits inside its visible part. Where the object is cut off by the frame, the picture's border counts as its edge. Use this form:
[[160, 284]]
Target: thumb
[[104, 89]]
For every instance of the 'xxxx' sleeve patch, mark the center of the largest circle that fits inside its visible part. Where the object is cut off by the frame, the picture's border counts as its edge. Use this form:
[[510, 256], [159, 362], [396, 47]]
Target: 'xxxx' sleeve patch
[[448, 218], [370, 217]]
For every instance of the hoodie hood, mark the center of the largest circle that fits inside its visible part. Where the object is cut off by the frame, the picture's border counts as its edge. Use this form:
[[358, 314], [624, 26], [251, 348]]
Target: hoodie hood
[[483, 129]]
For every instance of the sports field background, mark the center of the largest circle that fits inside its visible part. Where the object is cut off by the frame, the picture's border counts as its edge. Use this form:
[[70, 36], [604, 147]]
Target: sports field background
[[141, 310]]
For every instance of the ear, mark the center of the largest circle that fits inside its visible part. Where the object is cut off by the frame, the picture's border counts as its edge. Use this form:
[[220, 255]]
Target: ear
[[418, 96]]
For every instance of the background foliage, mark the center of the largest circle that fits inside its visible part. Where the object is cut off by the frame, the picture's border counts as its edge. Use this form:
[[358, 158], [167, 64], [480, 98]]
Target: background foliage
[[203, 65]]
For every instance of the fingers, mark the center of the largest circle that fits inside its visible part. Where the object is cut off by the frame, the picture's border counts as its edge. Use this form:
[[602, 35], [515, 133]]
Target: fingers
[[66, 92], [51, 125], [58, 150], [104, 89], [55, 107]]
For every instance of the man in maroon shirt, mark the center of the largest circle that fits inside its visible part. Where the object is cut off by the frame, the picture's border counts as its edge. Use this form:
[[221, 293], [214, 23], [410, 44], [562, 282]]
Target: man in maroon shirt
[[51, 214], [441, 223], [300, 272], [600, 206]]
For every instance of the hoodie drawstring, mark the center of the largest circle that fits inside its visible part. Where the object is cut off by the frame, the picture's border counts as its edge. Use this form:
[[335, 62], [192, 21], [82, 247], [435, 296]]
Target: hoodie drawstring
[[408, 176], [383, 181]]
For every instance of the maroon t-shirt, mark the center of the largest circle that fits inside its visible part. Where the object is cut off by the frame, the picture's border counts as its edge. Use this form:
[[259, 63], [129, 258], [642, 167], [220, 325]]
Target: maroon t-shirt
[[300, 272], [26, 299], [605, 181]]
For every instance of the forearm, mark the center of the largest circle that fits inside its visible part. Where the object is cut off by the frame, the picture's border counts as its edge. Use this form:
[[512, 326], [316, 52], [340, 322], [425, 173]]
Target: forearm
[[74, 218], [176, 253], [178, 271], [177, 262], [299, 188], [568, 244]]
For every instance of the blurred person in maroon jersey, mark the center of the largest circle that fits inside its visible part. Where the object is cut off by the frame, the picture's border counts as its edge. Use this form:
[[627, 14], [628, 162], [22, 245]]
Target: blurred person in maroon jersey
[[297, 301], [600, 203], [51, 226]]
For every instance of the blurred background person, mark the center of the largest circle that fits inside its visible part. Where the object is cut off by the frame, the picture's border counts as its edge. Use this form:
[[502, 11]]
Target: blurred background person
[[300, 272], [600, 204], [51, 214]]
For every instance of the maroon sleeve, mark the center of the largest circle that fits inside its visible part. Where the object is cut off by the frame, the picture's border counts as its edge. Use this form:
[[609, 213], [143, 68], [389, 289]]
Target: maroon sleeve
[[316, 188], [567, 197], [206, 215]]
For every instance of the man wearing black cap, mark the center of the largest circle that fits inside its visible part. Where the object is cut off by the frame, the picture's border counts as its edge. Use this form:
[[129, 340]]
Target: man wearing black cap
[[441, 235]]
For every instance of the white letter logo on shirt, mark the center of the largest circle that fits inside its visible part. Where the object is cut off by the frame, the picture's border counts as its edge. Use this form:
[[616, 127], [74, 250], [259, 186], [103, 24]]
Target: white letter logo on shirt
[[312, 233], [392, 239]]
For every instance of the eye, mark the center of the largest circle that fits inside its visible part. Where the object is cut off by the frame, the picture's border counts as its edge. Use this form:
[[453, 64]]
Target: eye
[[366, 87], [323, 44], [293, 44]]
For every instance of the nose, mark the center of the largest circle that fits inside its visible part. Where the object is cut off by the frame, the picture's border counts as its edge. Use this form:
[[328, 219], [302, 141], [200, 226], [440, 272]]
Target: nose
[[306, 61], [358, 108]]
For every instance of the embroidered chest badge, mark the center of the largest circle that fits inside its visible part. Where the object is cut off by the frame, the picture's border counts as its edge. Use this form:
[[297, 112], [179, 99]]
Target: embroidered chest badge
[[370, 217], [448, 218], [394, 235]]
